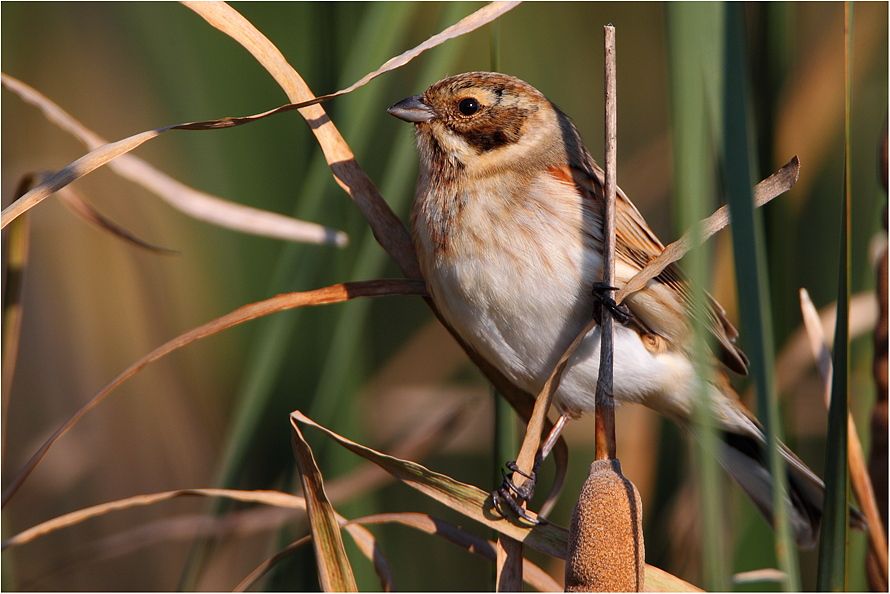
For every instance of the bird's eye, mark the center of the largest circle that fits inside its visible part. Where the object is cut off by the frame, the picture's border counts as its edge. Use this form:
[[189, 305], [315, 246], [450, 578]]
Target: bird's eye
[[468, 106]]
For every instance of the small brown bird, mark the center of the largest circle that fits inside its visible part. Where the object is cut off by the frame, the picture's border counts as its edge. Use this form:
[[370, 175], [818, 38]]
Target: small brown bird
[[507, 222]]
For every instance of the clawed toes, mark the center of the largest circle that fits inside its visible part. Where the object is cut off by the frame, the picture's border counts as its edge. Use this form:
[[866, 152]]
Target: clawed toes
[[620, 313], [515, 497], [505, 496]]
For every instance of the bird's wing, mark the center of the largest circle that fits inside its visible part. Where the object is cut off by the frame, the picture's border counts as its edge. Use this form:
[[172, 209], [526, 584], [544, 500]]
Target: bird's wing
[[665, 304]]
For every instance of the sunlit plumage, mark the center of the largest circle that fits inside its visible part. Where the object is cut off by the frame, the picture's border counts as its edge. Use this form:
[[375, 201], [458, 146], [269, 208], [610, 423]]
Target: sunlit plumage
[[507, 225]]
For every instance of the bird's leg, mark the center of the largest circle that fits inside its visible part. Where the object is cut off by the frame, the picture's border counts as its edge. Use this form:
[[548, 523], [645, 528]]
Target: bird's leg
[[555, 431], [620, 313], [516, 496]]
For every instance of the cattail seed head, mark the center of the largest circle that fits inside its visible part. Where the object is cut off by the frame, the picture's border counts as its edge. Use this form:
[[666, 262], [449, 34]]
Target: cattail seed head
[[606, 552]]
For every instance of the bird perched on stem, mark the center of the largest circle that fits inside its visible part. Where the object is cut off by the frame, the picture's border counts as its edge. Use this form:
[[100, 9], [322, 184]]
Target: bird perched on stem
[[508, 231]]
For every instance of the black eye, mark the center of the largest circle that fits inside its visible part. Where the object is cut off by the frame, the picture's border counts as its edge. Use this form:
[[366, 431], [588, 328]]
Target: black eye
[[468, 106]]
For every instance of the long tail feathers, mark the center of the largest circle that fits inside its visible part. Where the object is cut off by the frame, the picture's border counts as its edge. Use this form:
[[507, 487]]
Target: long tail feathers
[[745, 458]]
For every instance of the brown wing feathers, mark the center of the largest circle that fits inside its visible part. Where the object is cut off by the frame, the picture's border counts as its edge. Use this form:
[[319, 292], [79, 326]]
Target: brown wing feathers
[[637, 245]]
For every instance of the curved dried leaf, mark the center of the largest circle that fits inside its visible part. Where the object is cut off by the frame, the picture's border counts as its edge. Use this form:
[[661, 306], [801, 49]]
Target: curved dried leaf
[[76, 203], [194, 203], [274, 498], [759, 576], [385, 225], [331, 294], [334, 570], [534, 575], [794, 360]]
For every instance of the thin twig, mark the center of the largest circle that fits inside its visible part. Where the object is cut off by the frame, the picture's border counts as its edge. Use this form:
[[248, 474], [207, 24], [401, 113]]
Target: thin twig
[[605, 405]]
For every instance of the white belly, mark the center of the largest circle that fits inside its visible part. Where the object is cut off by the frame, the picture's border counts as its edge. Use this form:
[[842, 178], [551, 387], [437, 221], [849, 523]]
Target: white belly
[[521, 314]]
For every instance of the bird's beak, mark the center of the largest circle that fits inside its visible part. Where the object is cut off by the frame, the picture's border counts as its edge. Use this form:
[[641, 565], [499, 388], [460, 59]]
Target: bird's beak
[[412, 109]]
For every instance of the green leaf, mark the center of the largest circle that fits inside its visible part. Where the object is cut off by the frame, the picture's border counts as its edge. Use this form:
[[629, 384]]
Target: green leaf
[[752, 280], [695, 37], [832, 571]]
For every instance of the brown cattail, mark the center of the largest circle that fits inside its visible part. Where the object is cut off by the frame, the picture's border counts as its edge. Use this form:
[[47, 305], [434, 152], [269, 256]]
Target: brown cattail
[[606, 552]]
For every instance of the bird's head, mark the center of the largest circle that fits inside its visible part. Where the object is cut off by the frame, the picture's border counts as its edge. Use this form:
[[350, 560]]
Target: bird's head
[[482, 121]]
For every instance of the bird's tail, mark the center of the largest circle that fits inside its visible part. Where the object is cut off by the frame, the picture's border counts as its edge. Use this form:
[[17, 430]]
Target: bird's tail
[[745, 458], [743, 453]]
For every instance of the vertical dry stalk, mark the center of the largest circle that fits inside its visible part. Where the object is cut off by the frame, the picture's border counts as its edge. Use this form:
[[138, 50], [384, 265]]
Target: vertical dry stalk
[[605, 549], [605, 406]]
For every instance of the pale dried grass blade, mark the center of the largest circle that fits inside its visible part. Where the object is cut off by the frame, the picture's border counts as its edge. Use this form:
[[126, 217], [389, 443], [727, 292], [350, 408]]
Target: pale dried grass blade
[[759, 576], [775, 185], [331, 294], [859, 476], [197, 204], [79, 206], [334, 570], [532, 573], [274, 498], [795, 358]]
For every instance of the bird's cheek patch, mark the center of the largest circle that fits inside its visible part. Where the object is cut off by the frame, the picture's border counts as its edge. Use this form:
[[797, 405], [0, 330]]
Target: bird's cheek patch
[[501, 128]]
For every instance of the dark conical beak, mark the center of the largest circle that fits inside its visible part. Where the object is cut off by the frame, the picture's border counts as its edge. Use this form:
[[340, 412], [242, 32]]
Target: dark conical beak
[[412, 109]]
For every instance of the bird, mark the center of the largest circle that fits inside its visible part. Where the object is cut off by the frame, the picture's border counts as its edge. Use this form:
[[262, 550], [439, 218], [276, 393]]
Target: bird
[[507, 226]]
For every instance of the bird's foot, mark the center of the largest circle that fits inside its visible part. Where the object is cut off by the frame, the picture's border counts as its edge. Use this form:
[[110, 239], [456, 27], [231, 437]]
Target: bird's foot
[[620, 313], [513, 496]]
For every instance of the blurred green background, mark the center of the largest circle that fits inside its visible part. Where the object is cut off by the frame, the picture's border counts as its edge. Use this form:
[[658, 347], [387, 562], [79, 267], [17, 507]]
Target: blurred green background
[[216, 413]]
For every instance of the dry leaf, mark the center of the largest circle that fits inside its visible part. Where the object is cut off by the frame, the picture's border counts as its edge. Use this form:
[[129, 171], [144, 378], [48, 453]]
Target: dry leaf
[[76, 203], [474, 503], [795, 358], [334, 570], [275, 498]]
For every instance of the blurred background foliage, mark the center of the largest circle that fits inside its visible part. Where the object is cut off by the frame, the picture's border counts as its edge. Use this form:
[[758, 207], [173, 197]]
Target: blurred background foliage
[[216, 413]]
